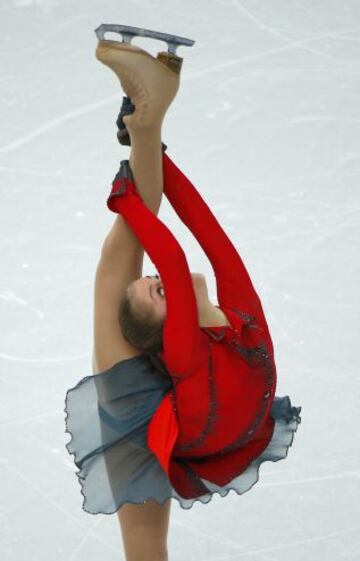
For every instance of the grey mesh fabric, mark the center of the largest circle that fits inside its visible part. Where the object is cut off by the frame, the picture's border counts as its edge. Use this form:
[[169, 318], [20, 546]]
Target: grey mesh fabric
[[107, 416]]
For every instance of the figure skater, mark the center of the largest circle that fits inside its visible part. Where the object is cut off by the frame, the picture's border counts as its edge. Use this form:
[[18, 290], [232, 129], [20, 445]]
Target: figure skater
[[181, 403]]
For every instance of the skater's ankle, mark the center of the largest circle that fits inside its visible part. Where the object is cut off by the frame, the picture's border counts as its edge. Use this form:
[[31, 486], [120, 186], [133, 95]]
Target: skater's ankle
[[149, 134], [148, 124]]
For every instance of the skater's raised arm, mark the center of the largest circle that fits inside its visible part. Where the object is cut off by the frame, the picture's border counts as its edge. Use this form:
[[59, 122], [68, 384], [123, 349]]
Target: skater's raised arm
[[183, 345], [234, 285]]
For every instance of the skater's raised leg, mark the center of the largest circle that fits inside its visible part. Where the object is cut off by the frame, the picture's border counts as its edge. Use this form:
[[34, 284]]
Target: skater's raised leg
[[122, 255], [144, 527]]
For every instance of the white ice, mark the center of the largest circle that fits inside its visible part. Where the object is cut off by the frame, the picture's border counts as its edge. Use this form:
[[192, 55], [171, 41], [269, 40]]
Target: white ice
[[267, 125]]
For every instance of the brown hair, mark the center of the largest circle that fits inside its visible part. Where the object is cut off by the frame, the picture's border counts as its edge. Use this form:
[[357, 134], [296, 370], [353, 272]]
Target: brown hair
[[139, 327]]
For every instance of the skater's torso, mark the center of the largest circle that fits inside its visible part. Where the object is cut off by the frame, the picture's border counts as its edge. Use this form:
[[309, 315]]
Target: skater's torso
[[222, 405]]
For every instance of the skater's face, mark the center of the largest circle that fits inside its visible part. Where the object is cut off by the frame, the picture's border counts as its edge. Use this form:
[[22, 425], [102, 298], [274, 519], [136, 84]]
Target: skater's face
[[147, 293]]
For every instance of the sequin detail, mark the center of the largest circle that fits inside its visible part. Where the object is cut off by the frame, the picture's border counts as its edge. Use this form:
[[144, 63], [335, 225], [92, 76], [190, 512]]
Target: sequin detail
[[247, 318], [257, 357]]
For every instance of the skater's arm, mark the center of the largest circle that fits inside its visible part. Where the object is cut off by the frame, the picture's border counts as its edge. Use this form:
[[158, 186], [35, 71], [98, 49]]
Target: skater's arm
[[182, 340], [234, 285]]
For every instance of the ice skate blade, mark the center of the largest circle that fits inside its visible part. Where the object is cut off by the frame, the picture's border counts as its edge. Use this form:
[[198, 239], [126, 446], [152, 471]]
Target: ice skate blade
[[127, 32], [171, 61]]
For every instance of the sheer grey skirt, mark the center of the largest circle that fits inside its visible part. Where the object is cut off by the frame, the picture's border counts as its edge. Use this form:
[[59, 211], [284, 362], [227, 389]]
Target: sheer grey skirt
[[107, 415]]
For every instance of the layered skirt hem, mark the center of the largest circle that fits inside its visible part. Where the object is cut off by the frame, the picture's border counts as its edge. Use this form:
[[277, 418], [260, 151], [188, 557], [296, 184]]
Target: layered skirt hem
[[107, 416]]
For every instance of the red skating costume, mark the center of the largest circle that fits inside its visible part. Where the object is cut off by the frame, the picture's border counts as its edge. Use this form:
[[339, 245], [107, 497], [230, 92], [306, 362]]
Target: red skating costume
[[216, 419]]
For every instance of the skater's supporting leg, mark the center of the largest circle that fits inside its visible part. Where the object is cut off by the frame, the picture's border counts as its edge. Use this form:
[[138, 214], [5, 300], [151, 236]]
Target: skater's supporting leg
[[144, 530], [234, 286]]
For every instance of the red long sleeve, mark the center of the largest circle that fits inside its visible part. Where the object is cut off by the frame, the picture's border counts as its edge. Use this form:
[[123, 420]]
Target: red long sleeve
[[183, 345], [234, 286]]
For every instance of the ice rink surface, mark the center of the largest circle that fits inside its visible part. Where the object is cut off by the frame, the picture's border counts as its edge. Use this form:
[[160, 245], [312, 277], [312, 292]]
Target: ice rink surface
[[267, 125]]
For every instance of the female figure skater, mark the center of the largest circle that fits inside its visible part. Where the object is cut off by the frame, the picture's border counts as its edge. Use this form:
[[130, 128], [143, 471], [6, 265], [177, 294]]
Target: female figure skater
[[181, 403]]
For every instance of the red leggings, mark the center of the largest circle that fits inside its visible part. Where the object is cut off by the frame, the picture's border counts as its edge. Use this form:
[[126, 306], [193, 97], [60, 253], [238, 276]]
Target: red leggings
[[234, 286]]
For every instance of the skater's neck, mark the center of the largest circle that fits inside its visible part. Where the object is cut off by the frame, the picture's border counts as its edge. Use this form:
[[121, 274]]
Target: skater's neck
[[212, 316]]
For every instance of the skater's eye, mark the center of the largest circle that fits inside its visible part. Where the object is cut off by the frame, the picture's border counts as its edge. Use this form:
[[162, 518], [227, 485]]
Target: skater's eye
[[160, 291]]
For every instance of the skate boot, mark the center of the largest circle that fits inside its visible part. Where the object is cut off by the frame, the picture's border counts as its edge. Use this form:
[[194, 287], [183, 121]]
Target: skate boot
[[150, 83]]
